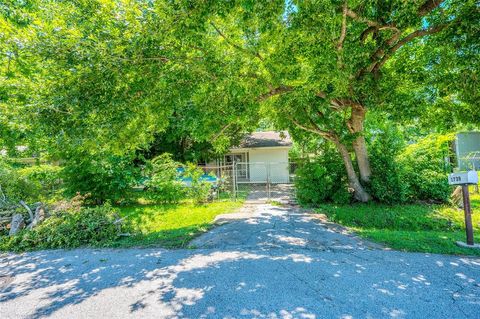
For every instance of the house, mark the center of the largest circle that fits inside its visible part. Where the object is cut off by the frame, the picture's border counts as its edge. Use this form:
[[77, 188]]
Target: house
[[467, 149], [261, 157]]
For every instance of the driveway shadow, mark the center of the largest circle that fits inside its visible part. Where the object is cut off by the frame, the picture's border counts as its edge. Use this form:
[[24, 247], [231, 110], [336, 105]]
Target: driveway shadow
[[268, 283], [272, 265], [266, 226]]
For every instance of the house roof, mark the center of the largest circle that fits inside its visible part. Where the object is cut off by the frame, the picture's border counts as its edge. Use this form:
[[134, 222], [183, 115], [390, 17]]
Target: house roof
[[266, 139]]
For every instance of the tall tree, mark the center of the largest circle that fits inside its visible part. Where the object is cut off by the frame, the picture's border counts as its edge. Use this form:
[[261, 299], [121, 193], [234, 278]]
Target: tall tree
[[322, 65], [109, 74]]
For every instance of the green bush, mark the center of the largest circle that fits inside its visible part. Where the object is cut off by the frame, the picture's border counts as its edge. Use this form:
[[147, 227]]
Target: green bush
[[85, 227], [46, 177], [341, 196], [164, 185], [17, 187], [322, 179], [386, 184], [103, 176], [408, 174], [425, 169], [199, 190]]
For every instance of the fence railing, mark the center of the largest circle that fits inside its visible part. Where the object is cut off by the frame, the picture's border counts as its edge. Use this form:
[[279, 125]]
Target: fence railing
[[257, 181]]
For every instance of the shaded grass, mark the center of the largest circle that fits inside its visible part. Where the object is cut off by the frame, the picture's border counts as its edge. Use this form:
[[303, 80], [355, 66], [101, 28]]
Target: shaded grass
[[420, 228], [171, 225]]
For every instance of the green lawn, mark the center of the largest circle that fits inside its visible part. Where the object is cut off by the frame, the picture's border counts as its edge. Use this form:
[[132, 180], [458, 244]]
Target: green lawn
[[172, 225], [421, 228]]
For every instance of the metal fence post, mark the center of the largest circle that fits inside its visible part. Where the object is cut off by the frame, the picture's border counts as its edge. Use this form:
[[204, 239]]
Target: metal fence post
[[268, 179], [234, 180]]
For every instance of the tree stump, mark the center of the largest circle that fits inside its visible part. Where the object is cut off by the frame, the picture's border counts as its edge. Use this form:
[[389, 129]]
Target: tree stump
[[16, 225]]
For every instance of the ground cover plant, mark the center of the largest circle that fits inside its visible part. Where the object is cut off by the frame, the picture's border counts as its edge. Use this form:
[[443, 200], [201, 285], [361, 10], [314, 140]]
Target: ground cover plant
[[171, 225], [71, 228], [412, 227]]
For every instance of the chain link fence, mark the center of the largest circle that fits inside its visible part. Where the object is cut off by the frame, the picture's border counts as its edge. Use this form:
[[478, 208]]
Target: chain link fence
[[264, 181], [255, 182], [223, 185]]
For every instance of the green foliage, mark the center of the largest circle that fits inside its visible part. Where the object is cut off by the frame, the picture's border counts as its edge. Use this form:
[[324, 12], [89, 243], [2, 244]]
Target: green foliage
[[103, 176], [341, 196], [47, 177], [425, 168], [322, 179], [164, 185], [110, 76], [199, 190], [407, 174], [16, 186], [386, 184], [85, 227]]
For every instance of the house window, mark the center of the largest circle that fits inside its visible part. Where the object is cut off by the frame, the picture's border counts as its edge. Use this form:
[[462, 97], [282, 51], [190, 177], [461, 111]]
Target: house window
[[237, 158], [241, 160]]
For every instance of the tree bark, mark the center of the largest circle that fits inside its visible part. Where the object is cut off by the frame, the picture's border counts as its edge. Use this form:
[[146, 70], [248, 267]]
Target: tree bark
[[355, 125], [359, 192], [361, 153]]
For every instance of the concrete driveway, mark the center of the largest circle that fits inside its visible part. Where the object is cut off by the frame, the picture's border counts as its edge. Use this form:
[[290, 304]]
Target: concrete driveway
[[268, 262]]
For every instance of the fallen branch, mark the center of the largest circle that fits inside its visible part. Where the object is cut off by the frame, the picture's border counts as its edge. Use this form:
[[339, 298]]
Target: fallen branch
[[40, 215], [30, 213]]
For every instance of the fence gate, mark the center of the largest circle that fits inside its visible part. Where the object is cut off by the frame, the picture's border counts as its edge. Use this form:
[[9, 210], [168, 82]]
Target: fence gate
[[264, 181]]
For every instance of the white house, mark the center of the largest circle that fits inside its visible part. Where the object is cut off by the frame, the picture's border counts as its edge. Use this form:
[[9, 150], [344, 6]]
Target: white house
[[261, 157]]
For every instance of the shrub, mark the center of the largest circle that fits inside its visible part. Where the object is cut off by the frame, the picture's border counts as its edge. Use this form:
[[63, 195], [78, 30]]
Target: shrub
[[322, 179], [386, 184], [199, 190], [407, 174], [341, 196], [105, 177], [425, 168], [47, 177], [164, 185], [17, 187], [85, 227]]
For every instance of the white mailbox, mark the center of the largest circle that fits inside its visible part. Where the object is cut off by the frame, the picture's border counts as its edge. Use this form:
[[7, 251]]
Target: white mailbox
[[463, 178]]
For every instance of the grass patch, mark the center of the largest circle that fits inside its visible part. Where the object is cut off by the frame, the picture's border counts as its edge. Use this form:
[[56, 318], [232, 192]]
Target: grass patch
[[171, 226], [420, 228]]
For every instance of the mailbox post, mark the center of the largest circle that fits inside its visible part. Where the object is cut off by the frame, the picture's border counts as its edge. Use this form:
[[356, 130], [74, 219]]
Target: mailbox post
[[464, 179]]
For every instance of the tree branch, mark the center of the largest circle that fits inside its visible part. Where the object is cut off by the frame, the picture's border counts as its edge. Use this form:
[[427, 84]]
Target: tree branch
[[28, 209], [236, 46], [428, 7], [356, 17], [276, 91], [343, 32], [322, 133], [350, 13], [405, 40], [224, 128]]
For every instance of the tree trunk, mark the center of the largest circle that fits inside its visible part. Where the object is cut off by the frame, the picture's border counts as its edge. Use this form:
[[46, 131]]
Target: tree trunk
[[361, 153], [355, 126], [359, 193]]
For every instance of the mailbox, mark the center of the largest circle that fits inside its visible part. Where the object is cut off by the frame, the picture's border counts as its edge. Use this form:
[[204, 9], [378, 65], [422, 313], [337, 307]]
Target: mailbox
[[463, 178]]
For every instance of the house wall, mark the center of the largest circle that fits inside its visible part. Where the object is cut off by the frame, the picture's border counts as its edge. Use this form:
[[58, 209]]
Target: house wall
[[260, 163], [271, 161]]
